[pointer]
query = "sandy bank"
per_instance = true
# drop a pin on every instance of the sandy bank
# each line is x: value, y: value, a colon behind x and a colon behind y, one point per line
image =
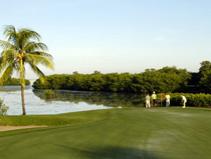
x: 8, y: 128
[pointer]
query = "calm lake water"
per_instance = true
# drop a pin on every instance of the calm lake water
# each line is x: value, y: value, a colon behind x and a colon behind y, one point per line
x: 65, y: 101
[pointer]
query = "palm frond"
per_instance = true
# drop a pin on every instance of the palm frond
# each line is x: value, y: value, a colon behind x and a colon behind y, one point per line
x: 7, y: 58
x: 10, y: 33
x: 2, y: 64
x: 6, y: 45
x: 28, y: 33
x: 35, y: 46
x: 9, y: 55
x: 41, y: 53
x: 36, y: 70
x: 7, y: 73
x: 39, y: 59
x: 25, y: 35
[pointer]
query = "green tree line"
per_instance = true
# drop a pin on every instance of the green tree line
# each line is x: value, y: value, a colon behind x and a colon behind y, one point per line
x: 167, y: 79
x: 14, y: 82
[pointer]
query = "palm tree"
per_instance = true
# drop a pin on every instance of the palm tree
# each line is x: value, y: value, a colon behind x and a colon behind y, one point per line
x: 22, y: 47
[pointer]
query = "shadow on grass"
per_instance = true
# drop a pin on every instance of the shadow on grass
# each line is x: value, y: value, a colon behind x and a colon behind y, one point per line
x: 112, y: 153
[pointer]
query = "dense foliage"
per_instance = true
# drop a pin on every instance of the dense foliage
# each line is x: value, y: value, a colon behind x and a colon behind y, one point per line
x: 14, y: 82
x: 205, y: 76
x: 195, y: 100
x: 167, y: 79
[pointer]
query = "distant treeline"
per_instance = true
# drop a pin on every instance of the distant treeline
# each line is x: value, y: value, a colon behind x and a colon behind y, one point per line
x: 14, y: 82
x: 167, y: 79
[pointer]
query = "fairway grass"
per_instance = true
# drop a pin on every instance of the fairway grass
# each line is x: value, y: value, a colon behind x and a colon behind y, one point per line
x: 128, y: 133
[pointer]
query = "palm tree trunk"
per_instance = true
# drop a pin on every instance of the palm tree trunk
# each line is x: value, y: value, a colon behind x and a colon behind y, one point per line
x: 22, y: 83
x: 23, y: 100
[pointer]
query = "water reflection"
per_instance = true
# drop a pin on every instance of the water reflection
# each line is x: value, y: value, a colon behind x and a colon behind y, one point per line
x: 65, y: 101
x: 97, y: 98
x: 12, y: 88
x: 35, y: 105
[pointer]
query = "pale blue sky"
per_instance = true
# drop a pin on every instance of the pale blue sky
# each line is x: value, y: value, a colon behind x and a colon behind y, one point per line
x: 116, y: 35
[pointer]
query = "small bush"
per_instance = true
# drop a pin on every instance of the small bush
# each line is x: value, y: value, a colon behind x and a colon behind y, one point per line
x: 3, y: 108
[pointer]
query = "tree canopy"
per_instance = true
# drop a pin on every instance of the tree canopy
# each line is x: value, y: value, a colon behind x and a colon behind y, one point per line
x: 167, y: 79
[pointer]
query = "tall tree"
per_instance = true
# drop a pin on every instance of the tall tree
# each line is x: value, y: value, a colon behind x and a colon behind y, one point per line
x: 205, y: 76
x: 21, y: 47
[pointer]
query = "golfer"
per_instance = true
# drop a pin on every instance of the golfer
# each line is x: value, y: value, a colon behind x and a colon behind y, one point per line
x: 154, y: 98
x: 168, y: 98
x: 184, y: 101
x: 147, y: 101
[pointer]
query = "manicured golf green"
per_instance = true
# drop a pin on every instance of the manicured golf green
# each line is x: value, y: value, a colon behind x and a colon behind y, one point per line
x: 129, y: 133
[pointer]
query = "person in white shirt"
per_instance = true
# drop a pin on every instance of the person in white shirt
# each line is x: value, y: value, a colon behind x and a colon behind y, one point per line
x: 168, y: 98
x: 154, y: 98
x: 147, y: 101
x: 184, y: 101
